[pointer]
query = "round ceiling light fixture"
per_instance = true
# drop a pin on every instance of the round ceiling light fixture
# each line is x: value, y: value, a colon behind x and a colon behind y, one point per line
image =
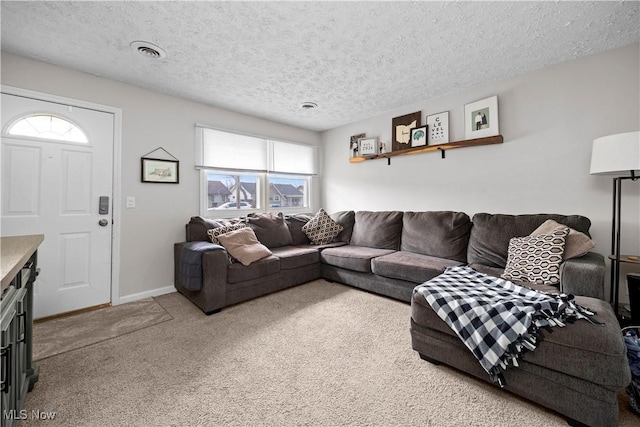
x: 308, y: 105
x: 148, y: 50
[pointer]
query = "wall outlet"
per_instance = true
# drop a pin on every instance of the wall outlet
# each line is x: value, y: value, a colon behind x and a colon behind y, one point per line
x: 131, y: 202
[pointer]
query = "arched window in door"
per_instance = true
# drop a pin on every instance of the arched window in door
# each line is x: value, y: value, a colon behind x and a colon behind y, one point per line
x: 47, y: 126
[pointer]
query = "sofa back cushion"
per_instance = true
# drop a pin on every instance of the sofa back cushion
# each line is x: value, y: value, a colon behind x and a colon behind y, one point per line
x: 380, y: 230
x: 196, y: 229
x: 441, y: 234
x: 346, y: 219
x: 270, y: 229
x: 490, y: 234
x: 295, y: 223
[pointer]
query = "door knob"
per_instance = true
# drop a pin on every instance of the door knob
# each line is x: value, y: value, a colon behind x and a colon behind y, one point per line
x: 103, y: 223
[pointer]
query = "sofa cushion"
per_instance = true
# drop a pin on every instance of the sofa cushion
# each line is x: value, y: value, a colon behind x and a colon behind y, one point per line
x: 295, y: 223
x: 350, y: 257
x: 438, y: 234
x: 536, y: 259
x: 380, y: 230
x: 270, y: 228
x: 410, y: 266
x: 590, y: 352
x: 490, y: 234
x: 346, y: 219
x: 243, y: 245
x: 237, y: 272
x: 321, y: 229
x: 577, y: 243
x: 197, y: 228
x: 293, y: 257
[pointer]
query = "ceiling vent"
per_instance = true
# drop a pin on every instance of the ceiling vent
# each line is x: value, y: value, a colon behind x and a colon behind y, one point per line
x: 308, y: 105
x: 148, y: 50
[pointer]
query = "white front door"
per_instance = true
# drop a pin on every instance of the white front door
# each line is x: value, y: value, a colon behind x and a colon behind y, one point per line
x: 57, y: 180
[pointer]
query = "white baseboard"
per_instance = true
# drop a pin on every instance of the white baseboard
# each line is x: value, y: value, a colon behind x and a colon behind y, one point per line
x: 146, y: 294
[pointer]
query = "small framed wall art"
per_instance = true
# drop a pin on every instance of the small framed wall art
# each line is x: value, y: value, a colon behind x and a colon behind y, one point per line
x: 438, y: 128
x: 401, y: 130
x: 368, y: 146
x: 419, y: 136
x: 160, y: 171
x: 354, y: 146
x: 481, y: 118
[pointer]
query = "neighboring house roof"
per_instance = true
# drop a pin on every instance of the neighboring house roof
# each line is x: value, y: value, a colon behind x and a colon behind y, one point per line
x: 287, y: 190
x: 247, y: 190
x: 216, y: 187
x: 249, y: 187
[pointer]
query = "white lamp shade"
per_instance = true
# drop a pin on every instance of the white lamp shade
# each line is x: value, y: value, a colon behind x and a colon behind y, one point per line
x: 616, y: 154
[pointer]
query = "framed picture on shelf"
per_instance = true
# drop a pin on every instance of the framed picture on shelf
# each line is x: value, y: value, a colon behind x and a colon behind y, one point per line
x: 438, y: 128
x: 160, y: 171
x: 401, y: 130
x: 419, y: 136
x: 354, y: 148
x: 368, y: 146
x: 382, y: 147
x: 481, y: 118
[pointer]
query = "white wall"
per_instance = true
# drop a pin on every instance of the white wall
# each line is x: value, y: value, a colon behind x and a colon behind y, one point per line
x: 549, y: 119
x: 150, y: 120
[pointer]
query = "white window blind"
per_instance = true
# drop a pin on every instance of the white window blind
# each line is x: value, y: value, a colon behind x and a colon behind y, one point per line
x: 218, y: 149
x: 293, y: 158
x: 226, y: 150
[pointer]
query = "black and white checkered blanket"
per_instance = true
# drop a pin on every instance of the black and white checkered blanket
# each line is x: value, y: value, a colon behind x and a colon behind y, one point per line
x: 496, y: 319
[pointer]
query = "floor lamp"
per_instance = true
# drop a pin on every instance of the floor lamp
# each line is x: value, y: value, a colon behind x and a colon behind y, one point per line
x: 617, y: 155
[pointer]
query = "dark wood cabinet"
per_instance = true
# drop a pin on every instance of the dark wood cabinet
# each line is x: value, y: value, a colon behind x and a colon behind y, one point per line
x: 18, y: 373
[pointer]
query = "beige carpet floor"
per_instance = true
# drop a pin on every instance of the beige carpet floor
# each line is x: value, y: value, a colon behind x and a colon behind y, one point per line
x: 319, y: 354
x: 64, y: 334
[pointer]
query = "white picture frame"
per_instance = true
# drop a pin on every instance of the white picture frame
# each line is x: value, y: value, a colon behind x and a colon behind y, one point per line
x: 438, y: 128
x: 368, y: 146
x: 481, y: 118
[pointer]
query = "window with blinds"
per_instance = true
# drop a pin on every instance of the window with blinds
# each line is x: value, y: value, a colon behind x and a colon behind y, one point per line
x: 250, y: 173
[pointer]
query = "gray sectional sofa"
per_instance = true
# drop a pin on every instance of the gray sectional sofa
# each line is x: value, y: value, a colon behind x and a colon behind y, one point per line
x: 578, y: 372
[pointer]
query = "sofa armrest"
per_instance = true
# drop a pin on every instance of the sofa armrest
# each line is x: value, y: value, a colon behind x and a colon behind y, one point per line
x: 583, y: 276
x: 211, y: 267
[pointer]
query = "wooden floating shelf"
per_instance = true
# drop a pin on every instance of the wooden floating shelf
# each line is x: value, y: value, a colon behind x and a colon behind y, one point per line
x: 427, y: 148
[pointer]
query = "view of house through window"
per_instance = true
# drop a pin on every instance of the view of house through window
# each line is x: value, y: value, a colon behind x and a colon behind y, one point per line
x: 229, y: 191
x: 233, y: 191
x: 287, y: 192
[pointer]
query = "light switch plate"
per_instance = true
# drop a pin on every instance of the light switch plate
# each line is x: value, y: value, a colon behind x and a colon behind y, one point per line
x: 131, y: 202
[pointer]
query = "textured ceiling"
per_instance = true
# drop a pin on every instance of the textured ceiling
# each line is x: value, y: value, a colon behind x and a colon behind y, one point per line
x: 354, y: 59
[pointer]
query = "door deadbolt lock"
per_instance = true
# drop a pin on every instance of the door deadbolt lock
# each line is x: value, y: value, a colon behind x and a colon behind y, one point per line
x: 103, y: 223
